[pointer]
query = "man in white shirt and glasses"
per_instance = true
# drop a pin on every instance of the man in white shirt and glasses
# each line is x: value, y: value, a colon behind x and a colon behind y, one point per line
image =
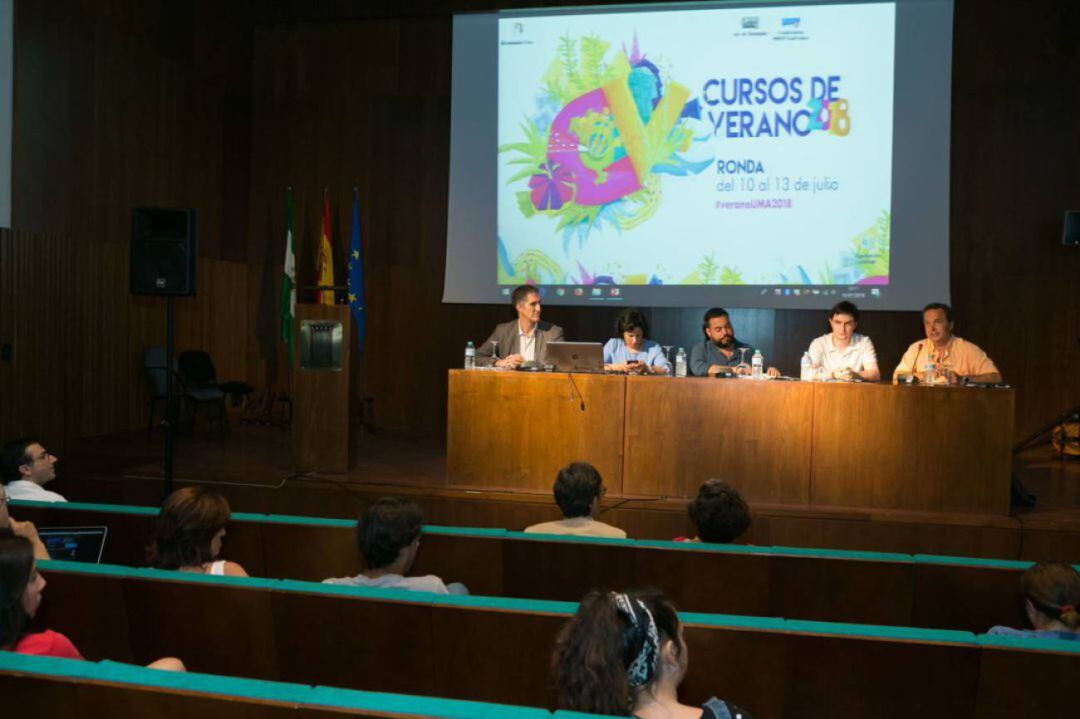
x: 844, y: 354
x: 27, y: 467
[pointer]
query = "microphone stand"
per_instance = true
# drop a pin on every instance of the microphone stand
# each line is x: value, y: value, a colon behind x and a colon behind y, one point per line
x: 169, y: 406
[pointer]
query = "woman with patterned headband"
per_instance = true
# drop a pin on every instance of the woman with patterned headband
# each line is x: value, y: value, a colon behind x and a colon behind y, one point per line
x: 623, y: 654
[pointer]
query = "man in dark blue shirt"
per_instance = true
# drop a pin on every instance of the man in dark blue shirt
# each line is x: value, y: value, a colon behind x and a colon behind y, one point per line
x: 719, y: 352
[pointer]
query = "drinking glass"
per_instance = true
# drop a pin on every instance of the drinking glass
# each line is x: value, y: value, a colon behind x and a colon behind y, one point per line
x: 742, y: 368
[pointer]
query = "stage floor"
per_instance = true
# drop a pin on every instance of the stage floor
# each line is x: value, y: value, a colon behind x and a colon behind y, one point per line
x: 252, y: 466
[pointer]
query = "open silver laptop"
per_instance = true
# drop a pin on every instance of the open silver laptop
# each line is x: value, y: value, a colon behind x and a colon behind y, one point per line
x: 576, y: 356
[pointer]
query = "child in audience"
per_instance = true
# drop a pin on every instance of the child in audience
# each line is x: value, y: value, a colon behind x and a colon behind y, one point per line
x: 388, y: 534
x: 719, y: 513
x: 1051, y: 592
x: 21, y: 587
x: 624, y: 654
x: 578, y: 489
x: 189, y: 532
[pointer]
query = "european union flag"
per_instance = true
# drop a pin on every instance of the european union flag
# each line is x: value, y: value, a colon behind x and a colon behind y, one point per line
x: 356, y: 273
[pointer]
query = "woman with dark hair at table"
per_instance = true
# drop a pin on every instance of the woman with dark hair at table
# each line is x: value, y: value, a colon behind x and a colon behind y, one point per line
x: 1051, y: 592
x: 630, y: 350
x: 623, y: 654
x: 189, y: 533
x: 21, y: 588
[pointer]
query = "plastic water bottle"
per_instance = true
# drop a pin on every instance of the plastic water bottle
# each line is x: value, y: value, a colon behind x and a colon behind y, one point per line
x: 806, y: 368
x: 929, y: 372
x: 680, y: 363
x: 470, y: 355
x: 757, y: 363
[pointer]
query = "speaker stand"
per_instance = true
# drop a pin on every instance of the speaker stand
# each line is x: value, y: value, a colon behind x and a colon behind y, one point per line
x: 170, y: 408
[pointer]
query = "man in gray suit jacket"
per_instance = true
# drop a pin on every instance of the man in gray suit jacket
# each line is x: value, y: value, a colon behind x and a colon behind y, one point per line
x: 522, y: 340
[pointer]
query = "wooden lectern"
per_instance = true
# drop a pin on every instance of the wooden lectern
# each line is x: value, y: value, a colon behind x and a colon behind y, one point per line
x: 323, y: 396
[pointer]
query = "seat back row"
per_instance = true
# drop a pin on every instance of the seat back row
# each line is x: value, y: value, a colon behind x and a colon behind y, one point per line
x: 878, y: 587
x: 498, y: 650
x: 123, y: 691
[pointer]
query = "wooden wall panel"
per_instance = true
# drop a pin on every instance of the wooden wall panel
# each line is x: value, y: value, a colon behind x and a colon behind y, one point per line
x: 78, y: 335
x: 119, y: 104
x: 128, y: 103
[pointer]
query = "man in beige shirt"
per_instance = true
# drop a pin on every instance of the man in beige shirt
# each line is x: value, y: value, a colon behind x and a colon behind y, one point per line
x: 953, y: 358
x: 578, y: 489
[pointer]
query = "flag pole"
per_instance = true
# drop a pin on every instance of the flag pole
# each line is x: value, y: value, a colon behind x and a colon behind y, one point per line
x: 359, y: 364
x: 290, y: 222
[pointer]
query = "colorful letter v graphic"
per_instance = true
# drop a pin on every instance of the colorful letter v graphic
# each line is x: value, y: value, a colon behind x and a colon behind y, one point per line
x: 641, y: 140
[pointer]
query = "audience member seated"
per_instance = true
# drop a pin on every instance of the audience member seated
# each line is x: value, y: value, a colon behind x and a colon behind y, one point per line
x: 189, y: 533
x: 9, y: 525
x: 389, y: 536
x: 578, y: 489
x: 623, y: 655
x: 27, y: 468
x: 21, y: 587
x: 1051, y: 592
x: 719, y: 513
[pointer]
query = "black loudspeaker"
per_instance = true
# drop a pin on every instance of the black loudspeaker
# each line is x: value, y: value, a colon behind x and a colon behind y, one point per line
x: 1071, y: 235
x: 163, y: 251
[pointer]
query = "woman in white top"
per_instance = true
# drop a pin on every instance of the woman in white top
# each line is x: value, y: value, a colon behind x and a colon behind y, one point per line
x: 189, y: 532
x: 843, y: 354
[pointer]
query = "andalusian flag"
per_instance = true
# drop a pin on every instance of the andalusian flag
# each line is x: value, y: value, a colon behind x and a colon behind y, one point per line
x: 356, y: 273
x: 326, y: 258
x: 288, y: 282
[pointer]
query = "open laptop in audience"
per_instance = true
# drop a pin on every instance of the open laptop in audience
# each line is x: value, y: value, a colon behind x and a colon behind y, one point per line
x: 74, y: 544
x: 576, y: 356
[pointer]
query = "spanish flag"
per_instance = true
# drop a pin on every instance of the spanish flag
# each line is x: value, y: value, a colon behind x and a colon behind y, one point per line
x: 326, y: 258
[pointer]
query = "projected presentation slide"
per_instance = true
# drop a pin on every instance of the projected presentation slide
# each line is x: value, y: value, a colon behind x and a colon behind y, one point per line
x: 702, y: 147
x: 697, y: 155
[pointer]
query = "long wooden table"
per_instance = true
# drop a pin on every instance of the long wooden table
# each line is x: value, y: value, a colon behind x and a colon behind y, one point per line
x: 879, y: 446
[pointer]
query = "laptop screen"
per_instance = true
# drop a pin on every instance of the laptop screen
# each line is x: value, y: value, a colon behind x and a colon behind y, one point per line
x: 576, y: 356
x: 74, y: 544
